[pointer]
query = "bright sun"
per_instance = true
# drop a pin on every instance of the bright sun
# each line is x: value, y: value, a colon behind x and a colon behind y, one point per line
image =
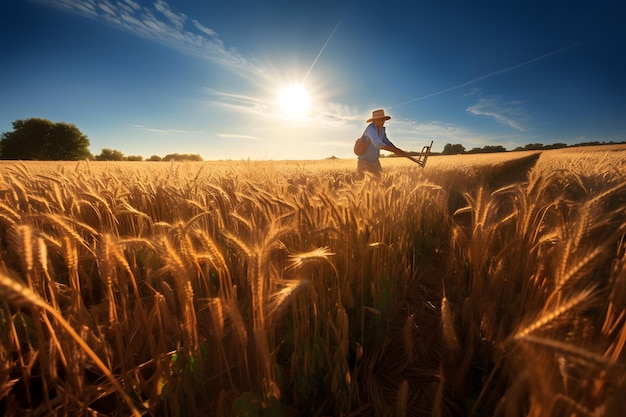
x: 294, y: 101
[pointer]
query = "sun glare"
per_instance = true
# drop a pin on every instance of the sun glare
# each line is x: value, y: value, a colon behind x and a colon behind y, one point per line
x: 294, y: 101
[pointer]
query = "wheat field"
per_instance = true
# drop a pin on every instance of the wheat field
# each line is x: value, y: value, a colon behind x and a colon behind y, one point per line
x: 480, y: 285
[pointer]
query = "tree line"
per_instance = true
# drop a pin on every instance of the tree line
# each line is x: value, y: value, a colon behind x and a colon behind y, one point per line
x: 450, y: 149
x: 43, y: 140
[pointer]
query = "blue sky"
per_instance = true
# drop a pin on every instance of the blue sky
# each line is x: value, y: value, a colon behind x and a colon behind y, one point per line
x: 153, y: 77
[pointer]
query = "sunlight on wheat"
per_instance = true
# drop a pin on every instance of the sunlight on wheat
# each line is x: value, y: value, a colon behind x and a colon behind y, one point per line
x: 301, y: 288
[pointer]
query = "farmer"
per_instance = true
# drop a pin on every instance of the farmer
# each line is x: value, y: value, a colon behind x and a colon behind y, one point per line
x: 373, y: 140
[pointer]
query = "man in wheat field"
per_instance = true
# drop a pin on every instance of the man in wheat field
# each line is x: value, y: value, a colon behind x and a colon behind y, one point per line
x: 374, y: 139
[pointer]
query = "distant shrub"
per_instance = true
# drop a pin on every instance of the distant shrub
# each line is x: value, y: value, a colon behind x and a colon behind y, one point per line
x: 182, y: 157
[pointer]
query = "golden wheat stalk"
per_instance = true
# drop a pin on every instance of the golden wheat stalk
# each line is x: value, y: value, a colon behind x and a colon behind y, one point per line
x: 402, y: 401
x: 278, y: 300
x: 551, y: 316
x: 575, y: 407
x: 13, y: 292
x: 568, y: 349
x: 299, y: 259
x: 21, y: 238
x: 448, y: 335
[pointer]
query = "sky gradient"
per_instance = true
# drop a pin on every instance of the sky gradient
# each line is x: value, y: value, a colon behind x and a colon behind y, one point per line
x: 158, y: 77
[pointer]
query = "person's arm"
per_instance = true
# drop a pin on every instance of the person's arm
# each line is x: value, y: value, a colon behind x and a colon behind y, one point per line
x: 393, y: 148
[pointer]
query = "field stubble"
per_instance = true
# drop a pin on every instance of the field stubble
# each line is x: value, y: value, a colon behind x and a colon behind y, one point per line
x: 484, y: 285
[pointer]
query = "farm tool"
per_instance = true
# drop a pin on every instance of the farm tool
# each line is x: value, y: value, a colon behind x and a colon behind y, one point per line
x: 423, y: 156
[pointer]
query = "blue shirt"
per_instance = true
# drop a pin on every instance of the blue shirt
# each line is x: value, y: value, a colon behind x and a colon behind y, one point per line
x: 377, y: 141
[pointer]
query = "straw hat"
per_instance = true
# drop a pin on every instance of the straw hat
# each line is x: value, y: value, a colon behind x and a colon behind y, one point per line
x: 378, y: 114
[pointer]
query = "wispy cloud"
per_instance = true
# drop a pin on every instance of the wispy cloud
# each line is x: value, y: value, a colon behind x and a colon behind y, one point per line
x: 167, y: 131
x: 240, y: 103
x: 236, y: 136
x: 412, y: 135
x: 176, y: 19
x: 204, y: 29
x: 160, y: 23
x: 508, y: 114
x: 491, y: 74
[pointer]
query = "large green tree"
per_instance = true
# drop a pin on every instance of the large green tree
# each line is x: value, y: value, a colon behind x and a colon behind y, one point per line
x: 41, y: 139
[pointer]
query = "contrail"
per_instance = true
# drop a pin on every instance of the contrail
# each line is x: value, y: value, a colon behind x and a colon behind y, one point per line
x: 491, y: 74
x: 320, y: 53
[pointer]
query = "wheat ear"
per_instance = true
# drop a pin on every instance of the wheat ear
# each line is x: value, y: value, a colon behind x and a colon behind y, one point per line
x: 16, y: 293
x: 548, y: 317
x: 568, y: 349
